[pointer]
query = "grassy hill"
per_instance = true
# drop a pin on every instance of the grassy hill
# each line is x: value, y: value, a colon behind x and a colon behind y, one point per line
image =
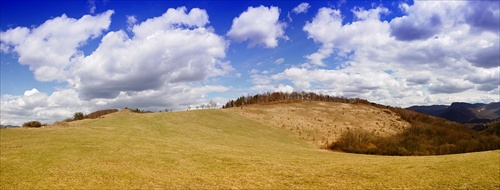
x: 324, y: 122
x: 210, y: 149
x: 369, y: 128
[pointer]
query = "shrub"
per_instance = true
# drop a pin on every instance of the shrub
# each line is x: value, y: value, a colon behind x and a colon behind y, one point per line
x: 78, y: 116
x: 357, y: 141
x: 32, y: 124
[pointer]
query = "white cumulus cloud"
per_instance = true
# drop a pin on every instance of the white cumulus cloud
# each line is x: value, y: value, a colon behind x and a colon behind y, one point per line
x: 91, y: 6
x: 258, y: 25
x: 301, y: 8
x: 51, y: 48
x: 453, y: 55
x: 150, y: 62
x: 165, y: 63
x: 279, y: 61
x: 131, y: 20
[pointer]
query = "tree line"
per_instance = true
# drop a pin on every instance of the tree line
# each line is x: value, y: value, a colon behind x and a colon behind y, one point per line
x: 278, y: 97
x: 209, y: 105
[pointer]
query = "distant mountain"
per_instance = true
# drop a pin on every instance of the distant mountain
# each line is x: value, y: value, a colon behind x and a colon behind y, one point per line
x: 8, y: 126
x: 434, y: 110
x: 463, y: 112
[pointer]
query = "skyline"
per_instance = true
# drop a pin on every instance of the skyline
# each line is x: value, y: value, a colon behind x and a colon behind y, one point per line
x: 83, y: 56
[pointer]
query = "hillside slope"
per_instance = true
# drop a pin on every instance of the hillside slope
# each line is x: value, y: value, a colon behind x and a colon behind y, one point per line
x: 213, y: 149
x: 324, y: 122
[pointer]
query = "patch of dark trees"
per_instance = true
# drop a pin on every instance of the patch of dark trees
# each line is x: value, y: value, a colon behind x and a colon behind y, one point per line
x: 33, y: 124
x: 284, y: 97
x: 427, y: 135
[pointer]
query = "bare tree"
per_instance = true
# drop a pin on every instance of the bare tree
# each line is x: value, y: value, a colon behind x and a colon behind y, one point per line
x: 212, y: 104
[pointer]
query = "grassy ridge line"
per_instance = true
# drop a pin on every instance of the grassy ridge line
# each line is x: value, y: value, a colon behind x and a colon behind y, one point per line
x: 213, y: 149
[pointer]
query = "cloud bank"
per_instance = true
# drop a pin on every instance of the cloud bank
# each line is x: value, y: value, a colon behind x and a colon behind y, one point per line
x: 165, y: 63
x: 427, y: 56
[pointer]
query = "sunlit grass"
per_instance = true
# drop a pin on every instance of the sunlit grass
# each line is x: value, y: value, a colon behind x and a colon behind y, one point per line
x: 214, y: 149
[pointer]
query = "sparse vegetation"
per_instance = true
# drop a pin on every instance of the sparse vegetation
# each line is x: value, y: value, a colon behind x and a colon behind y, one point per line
x: 137, y: 110
x: 209, y: 105
x: 97, y: 114
x: 100, y: 113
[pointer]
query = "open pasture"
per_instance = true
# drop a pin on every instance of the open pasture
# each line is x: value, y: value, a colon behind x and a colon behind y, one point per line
x: 210, y: 149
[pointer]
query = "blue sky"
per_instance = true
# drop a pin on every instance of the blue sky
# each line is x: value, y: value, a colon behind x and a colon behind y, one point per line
x: 69, y: 56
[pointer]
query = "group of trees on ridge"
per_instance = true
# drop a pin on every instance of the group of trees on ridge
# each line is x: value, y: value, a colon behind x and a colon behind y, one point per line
x: 209, y: 105
x: 278, y: 97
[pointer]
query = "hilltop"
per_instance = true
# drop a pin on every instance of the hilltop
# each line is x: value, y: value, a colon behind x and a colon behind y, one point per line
x: 359, y: 126
x: 323, y: 122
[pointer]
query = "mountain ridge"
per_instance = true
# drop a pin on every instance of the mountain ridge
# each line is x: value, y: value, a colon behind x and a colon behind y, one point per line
x: 463, y: 112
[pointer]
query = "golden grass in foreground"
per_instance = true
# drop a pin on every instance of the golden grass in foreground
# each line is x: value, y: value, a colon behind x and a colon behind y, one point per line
x: 214, y: 149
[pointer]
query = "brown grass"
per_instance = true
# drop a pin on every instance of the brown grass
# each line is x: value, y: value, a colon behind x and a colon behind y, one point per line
x: 323, y: 122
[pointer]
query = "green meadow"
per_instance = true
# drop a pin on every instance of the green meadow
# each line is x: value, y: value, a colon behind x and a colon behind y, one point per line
x: 214, y: 149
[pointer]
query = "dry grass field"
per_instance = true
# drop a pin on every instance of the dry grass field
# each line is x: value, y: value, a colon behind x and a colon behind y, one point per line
x: 319, y: 122
x: 215, y: 149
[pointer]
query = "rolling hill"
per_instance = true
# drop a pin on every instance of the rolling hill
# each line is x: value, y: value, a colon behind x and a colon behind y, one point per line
x: 323, y: 122
x: 463, y: 112
x: 216, y: 149
x: 370, y: 128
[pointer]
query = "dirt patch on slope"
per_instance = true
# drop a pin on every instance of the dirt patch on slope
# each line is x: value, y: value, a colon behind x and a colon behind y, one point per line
x: 323, y: 122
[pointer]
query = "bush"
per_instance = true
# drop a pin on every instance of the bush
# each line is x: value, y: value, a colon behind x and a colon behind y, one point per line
x: 78, y: 116
x: 32, y: 124
x: 357, y: 141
